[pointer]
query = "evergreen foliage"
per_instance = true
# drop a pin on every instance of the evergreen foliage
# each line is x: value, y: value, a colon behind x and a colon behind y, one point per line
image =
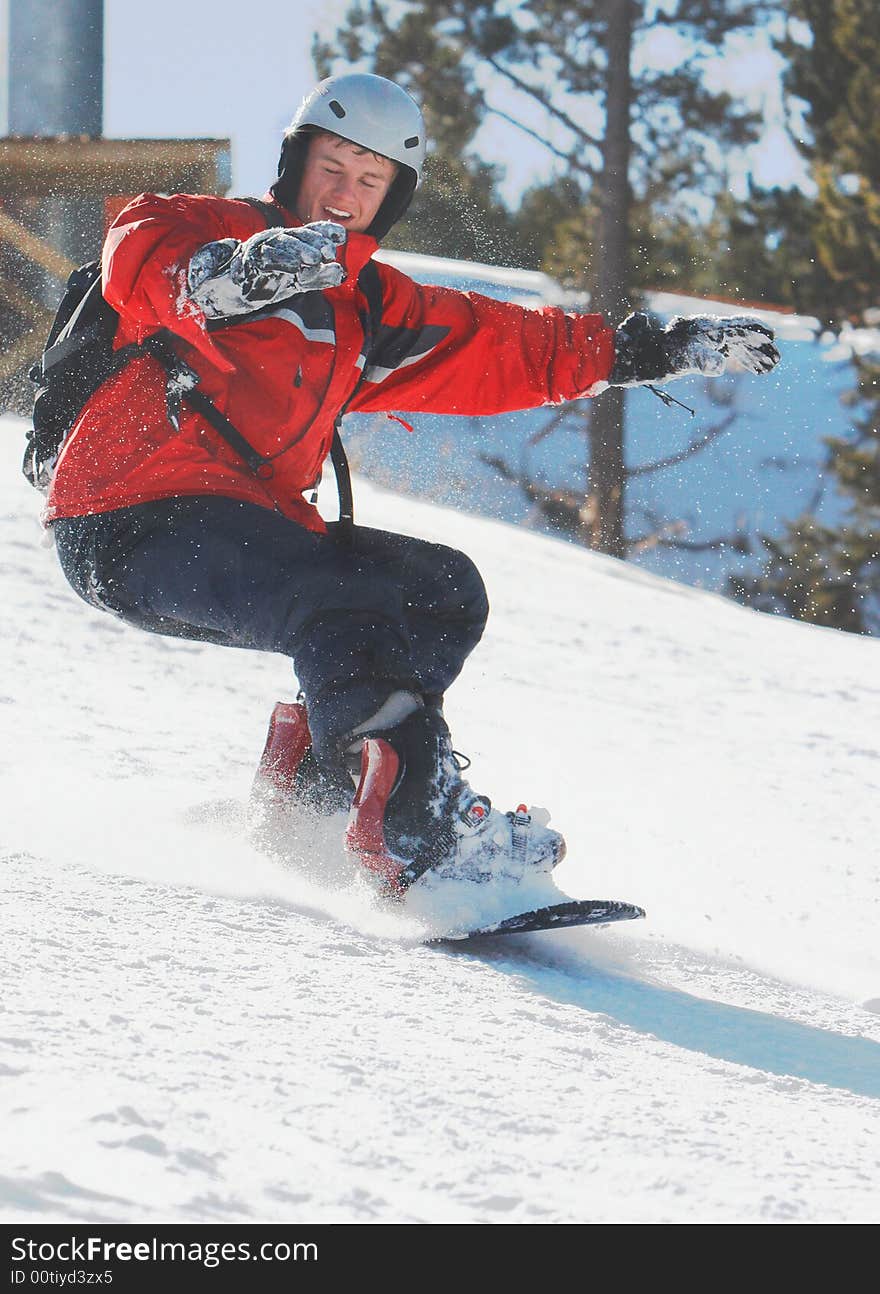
x: 834, y: 68
x: 758, y: 250
x: 829, y: 574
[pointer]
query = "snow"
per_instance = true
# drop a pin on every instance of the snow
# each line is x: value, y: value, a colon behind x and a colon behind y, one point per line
x: 192, y: 1031
x: 505, y: 283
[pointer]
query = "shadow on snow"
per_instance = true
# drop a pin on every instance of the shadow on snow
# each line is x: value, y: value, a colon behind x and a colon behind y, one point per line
x: 736, y: 1034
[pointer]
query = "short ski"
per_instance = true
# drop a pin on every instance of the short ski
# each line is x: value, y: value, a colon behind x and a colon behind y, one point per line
x: 577, y: 912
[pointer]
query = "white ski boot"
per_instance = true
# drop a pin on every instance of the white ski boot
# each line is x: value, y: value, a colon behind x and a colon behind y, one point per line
x: 413, y: 814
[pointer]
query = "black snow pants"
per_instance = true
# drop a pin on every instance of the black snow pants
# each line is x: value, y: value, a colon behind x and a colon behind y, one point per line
x: 359, y: 621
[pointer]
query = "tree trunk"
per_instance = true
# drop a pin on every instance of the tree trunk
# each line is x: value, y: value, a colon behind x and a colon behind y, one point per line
x: 607, y: 477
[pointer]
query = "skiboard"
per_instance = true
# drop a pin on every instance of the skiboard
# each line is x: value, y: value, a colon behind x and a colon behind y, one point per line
x: 576, y: 912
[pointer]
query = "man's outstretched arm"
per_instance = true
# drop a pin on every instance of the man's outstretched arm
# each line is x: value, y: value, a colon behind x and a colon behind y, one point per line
x: 444, y: 351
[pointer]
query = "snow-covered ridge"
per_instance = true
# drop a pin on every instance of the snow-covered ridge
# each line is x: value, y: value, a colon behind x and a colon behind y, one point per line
x: 525, y: 287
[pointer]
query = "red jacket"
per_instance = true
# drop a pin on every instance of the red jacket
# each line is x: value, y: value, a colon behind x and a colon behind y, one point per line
x: 281, y: 376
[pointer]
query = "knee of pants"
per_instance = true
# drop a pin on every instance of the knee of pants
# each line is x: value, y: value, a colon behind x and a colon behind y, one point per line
x: 479, y: 600
x: 348, y: 664
x: 465, y: 590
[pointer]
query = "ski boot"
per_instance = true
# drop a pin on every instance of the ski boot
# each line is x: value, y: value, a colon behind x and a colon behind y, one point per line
x: 413, y: 813
x: 289, y: 784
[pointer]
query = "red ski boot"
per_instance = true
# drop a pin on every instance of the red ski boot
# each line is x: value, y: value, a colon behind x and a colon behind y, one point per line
x: 289, y: 776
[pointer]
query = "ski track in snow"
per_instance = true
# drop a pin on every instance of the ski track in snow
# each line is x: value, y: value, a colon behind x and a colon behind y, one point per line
x: 191, y: 1031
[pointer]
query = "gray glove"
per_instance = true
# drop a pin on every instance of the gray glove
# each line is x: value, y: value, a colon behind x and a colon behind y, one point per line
x: 646, y: 351
x: 232, y: 278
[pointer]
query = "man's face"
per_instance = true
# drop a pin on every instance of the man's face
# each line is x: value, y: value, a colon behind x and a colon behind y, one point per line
x: 343, y: 182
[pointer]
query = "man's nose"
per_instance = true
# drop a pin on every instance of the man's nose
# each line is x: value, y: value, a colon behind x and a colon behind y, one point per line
x: 343, y: 191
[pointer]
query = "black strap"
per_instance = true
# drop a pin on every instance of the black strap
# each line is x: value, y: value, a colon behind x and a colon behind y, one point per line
x: 268, y: 210
x: 159, y: 346
x: 339, y: 460
x: 371, y: 286
x: 259, y: 465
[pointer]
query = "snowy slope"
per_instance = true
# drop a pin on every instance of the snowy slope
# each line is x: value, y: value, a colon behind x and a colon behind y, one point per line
x: 190, y: 1031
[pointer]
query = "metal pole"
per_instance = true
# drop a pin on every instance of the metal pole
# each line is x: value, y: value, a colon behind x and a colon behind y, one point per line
x: 4, y: 67
x: 56, y: 87
x: 56, y: 67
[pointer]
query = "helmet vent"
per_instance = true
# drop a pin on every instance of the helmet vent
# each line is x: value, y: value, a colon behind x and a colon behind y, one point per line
x: 412, y: 142
x: 336, y: 108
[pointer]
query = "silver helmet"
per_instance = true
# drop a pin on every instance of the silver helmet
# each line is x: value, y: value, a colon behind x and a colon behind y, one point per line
x: 367, y: 110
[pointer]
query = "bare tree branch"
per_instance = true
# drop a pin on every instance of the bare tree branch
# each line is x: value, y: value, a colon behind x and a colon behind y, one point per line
x: 693, y: 448
x: 574, y: 162
x: 738, y: 543
x: 817, y: 497
x: 549, y: 427
x: 546, y: 103
x: 566, y: 510
x: 670, y: 534
x: 570, y: 513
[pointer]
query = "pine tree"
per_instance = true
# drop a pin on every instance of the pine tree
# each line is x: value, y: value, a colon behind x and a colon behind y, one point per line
x: 830, y: 574
x: 834, y: 69
x: 765, y: 251
x: 556, y: 68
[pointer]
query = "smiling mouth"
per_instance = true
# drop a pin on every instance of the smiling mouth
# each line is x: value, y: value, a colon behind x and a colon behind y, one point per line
x: 339, y: 214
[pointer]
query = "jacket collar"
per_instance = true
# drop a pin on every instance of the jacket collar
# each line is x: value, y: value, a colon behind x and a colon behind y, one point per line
x: 357, y: 251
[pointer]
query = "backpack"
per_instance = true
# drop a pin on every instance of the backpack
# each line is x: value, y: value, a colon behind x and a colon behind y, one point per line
x: 78, y: 358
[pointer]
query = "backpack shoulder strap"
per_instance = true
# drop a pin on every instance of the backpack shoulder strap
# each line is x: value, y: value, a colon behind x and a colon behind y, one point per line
x: 268, y: 210
x: 371, y: 286
x: 161, y: 347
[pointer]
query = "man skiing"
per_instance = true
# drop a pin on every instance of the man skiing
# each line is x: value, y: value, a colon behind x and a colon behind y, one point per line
x: 163, y: 522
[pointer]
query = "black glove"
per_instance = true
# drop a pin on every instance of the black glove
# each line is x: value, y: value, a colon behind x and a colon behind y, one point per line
x: 231, y: 278
x: 648, y: 351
